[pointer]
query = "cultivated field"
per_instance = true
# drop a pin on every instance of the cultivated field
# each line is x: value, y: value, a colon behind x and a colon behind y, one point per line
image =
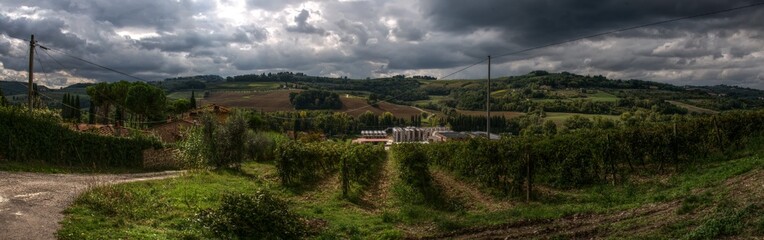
x: 559, y: 118
x: 273, y: 101
x: 692, y: 108
x: 506, y: 114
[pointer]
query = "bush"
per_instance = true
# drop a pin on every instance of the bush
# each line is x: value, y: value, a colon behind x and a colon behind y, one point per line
x: 258, y: 216
x: 261, y: 146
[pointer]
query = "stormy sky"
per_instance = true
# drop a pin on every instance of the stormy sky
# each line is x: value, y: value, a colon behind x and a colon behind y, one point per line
x: 157, y: 39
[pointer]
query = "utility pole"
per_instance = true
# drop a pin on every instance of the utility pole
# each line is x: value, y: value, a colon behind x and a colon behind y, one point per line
x: 488, y: 103
x: 31, y: 71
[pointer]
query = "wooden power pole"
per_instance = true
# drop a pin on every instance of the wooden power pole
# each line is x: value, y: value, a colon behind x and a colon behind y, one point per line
x: 31, y: 72
x: 488, y: 103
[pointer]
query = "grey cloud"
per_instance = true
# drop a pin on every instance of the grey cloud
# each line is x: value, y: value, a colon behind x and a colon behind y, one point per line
x: 271, y: 5
x: 302, y: 25
x: 49, y: 30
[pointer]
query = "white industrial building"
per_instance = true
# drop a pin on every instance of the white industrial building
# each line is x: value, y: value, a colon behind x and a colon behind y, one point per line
x: 415, y: 134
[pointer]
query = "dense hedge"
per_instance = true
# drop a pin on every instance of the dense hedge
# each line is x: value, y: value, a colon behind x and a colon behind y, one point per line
x: 30, y: 137
x: 591, y: 156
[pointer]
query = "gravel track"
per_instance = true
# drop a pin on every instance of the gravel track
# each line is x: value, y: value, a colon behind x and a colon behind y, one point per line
x: 31, y: 204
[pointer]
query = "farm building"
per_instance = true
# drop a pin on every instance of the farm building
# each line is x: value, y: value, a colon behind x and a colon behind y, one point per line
x: 171, y: 131
x: 482, y: 134
x: 415, y: 134
x: 219, y: 111
x: 446, y: 136
x: 373, y: 134
x: 101, y: 129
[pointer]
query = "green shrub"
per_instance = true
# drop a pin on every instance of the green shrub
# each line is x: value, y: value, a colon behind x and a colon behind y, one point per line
x: 258, y: 216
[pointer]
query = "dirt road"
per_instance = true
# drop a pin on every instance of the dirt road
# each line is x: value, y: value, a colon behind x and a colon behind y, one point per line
x: 31, y: 204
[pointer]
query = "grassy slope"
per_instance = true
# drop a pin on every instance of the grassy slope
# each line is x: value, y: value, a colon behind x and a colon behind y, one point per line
x: 165, y: 209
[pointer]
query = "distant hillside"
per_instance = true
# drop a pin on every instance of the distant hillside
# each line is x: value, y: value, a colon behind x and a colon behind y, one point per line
x: 729, y: 91
x: 16, y: 88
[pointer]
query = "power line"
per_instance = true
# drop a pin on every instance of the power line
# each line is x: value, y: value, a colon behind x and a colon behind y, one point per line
x: 94, y: 64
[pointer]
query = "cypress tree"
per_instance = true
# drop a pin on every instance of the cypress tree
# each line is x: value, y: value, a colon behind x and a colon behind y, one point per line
x: 64, y: 108
x: 193, y: 100
x: 3, y: 100
x: 91, y: 113
x: 78, y: 110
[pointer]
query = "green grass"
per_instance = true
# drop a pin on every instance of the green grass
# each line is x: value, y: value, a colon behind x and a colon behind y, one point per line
x: 130, y: 211
x: 569, y: 95
x: 185, y: 94
x: 559, y: 118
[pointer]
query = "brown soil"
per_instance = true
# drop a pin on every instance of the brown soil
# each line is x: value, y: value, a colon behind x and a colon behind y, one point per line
x: 467, y: 193
x: 273, y: 101
x: 377, y: 195
x: 270, y: 101
x: 578, y: 226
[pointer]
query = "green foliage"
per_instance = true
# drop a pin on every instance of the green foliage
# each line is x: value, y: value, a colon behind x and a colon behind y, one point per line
x: 305, y: 162
x: 225, y: 145
x: 261, y: 146
x: 726, y: 221
x: 360, y: 164
x: 146, y: 101
x: 414, y: 174
x: 40, y: 138
x: 180, y: 106
x: 314, y: 99
x: 258, y: 216
x: 3, y: 100
x: 191, y: 150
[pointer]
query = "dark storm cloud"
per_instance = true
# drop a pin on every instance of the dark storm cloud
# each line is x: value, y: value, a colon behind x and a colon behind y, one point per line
x: 164, y: 15
x: 538, y: 21
x: 46, y: 28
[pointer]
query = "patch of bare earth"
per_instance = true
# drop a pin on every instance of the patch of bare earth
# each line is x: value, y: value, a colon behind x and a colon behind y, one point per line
x: 377, y: 194
x: 467, y: 193
x: 574, y: 226
x: 278, y: 100
x: 747, y: 188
